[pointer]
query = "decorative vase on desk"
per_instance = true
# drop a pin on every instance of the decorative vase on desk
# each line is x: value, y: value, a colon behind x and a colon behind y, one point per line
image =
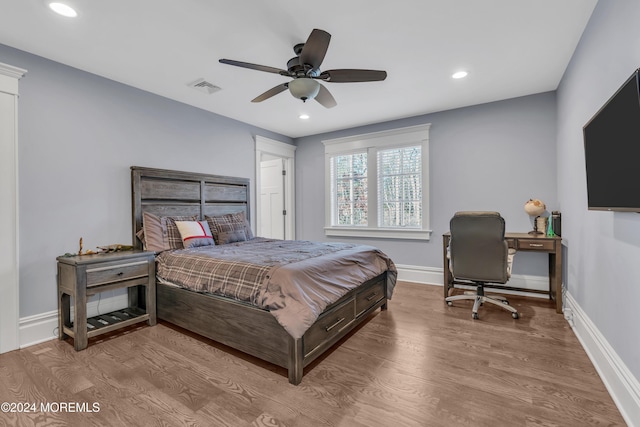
x: 534, y: 208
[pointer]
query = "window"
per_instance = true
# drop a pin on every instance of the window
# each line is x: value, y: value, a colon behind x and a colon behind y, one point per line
x: 377, y: 184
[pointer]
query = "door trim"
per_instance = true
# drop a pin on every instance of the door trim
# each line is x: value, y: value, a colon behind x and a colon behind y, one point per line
x: 287, y: 153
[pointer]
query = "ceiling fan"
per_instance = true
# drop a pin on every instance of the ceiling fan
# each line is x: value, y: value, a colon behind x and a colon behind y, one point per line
x: 304, y: 68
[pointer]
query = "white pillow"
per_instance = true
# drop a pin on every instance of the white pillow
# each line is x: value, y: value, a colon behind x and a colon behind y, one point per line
x: 195, y: 233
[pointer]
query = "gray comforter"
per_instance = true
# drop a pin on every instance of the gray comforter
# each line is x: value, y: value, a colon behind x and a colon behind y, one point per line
x: 294, y: 279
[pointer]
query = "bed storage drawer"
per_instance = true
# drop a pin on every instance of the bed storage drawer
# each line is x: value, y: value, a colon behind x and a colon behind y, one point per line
x: 329, y: 324
x: 368, y: 297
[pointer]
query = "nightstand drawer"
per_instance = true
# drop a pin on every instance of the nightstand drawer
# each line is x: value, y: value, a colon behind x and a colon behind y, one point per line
x: 100, y: 274
x: 536, y: 245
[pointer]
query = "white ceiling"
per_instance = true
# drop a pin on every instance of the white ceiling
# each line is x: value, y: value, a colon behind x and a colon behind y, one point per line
x: 510, y: 48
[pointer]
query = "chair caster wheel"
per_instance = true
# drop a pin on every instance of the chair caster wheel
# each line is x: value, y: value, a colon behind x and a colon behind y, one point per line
x: 505, y: 302
x: 475, y: 316
x: 515, y: 315
x: 450, y: 303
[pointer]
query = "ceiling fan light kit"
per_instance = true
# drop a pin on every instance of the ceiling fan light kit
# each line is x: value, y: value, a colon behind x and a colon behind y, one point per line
x: 304, y: 88
x: 304, y: 69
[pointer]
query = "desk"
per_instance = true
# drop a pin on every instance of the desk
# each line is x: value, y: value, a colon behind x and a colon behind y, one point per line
x: 522, y: 242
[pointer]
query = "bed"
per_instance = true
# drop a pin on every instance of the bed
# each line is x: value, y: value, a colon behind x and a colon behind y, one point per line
x: 257, y: 324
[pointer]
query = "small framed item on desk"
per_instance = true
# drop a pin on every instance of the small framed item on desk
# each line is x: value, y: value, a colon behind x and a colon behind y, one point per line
x: 80, y: 277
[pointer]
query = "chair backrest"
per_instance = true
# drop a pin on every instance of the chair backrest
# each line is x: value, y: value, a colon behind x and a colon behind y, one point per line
x: 478, y: 249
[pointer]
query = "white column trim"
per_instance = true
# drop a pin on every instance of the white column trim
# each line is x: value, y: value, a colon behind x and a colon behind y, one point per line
x: 10, y: 286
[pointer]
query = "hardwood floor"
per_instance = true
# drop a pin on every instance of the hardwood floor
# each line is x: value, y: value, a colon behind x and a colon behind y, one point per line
x: 420, y: 363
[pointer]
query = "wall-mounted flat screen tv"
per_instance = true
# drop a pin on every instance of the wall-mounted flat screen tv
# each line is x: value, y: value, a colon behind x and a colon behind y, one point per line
x: 612, y: 151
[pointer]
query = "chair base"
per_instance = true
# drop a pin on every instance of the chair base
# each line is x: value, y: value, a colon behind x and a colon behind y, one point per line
x: 480, y: 298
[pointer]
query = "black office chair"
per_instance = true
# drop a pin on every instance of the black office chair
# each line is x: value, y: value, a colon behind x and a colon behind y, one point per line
x: 478, y: 254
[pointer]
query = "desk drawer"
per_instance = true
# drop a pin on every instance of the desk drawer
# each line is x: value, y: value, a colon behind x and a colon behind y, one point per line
x: 99, y: 274
x: 328, y: 325
x: 536, y: 245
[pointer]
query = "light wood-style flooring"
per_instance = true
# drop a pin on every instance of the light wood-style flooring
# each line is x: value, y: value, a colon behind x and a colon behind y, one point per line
x: 420, y: 363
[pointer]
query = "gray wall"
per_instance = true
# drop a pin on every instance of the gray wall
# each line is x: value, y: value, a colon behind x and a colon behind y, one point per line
x: 78, y: 136
x: 603, y: 248
x: 487, y: 157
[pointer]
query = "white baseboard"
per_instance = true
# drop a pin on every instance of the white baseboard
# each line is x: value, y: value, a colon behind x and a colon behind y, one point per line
x: 38, y: 328
x: 418, y: 274
x: 622, y: 385
x: 44, y: 327
x: 434, y: 276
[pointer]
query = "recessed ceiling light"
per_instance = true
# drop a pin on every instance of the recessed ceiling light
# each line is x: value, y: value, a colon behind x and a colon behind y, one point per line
x: 63, y: 9
x: 304, y: 116
x: 459, y: 74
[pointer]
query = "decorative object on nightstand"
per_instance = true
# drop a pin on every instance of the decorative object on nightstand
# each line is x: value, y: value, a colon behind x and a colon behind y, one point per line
x: 117, y: 247
x: 80, y: 277
x: 534, y: 208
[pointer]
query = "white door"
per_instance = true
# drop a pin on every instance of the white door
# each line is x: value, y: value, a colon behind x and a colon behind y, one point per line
x: 272, y: 208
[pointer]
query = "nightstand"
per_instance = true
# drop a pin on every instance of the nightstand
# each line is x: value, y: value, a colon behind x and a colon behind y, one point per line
x: 80, y: 277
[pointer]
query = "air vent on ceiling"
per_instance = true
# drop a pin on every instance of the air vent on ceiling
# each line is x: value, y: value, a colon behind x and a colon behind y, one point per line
x: 204, y: 86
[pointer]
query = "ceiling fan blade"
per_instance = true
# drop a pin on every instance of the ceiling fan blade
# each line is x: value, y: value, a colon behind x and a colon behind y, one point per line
x: 352, y: 76
x: 271, y: 92
x: 315, y: 48
x: 255, y: 66
x: 325, y: 98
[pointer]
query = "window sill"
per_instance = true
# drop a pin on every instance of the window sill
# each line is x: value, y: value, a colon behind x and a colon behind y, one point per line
x: 378, y: 233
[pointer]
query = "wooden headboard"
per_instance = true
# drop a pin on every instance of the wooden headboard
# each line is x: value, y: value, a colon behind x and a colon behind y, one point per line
x: 171, y: 193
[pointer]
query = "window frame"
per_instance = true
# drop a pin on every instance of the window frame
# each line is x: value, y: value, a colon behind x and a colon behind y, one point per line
x: 371, y: 143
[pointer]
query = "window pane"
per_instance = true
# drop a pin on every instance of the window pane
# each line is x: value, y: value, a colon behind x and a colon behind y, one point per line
x: 349, y: 177
x: 411, y: 211
x: 359, y: 165
x: 360, y: 215
x: 344, y: 214
x: 343, y: 190
x: 390, y: 188
x: 360, y: 189
x: 411, y: 189
x: 400, y: 187
x: 391, y: 163
x: 390, y: 214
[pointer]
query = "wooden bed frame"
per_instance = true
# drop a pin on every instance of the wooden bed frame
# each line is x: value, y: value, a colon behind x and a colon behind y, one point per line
x: 238, y: 325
